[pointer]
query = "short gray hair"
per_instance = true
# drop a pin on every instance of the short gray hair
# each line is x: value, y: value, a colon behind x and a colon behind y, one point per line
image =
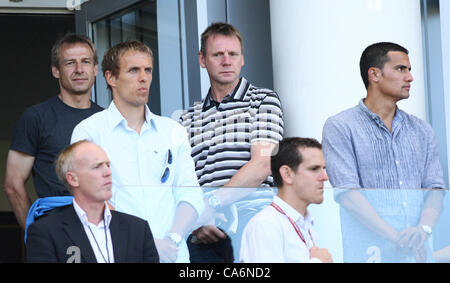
x: 64, y: 162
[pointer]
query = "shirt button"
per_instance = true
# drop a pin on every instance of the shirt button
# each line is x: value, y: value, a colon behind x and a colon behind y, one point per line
x: 396, y: 162
x: 405, y: 204
x: 401, y: 183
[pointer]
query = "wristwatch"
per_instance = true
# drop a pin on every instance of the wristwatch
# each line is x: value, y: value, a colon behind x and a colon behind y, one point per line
x: 214, y: 202
x: 427, y: 230
x: 175, y: 238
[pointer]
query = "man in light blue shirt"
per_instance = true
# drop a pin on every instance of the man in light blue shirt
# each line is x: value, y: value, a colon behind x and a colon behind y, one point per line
x: 377, y: 145
x: 153, y: 172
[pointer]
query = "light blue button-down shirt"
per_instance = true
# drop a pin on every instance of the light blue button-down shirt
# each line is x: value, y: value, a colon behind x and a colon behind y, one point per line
x: 138, y: 162
x: 360, y: 152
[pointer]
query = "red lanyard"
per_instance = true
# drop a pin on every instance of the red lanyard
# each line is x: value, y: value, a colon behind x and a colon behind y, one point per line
x: 297, y: 229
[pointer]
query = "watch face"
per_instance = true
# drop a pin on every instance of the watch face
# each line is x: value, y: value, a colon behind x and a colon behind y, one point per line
x: 214, y: 202
x: 427, y: 229
x: 175, y: 237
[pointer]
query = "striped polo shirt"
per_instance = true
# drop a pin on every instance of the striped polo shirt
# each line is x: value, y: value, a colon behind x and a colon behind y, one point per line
x: 221, y: 133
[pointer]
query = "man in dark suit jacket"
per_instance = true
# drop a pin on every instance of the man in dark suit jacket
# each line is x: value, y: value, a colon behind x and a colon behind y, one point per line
x: 87, y: 230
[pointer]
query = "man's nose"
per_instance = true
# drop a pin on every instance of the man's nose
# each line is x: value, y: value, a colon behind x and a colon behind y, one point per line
x: 226, y: 59
x: 144, y: 76
x: 78, y: 67
x: 409, y: 77
x: 107, y: 172
x: 324, y: 176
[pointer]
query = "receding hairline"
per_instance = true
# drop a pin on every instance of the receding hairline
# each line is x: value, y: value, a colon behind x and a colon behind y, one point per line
x: 71, y: 39
x: 221, y: 28
x: 65, y: 162
x: 73, y: 44
x: 130, y: 51
x: 213, y: 36
x: 83, y: 145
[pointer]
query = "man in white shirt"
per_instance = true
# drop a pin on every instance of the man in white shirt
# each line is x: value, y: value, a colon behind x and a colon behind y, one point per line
x: 87, y: 231
x: 282, y: 232
x: 153, y: 171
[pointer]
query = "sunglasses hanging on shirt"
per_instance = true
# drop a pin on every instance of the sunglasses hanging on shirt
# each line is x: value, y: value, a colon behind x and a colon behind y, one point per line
x: 166, y: 173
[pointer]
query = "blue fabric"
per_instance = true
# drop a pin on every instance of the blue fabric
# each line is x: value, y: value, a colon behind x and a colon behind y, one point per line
x: 360, y: 152
x: 44, y: 205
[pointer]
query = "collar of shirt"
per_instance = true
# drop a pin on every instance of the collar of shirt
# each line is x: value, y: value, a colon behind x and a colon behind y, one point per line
x: 296, y: 216
x: 84, y: 219
x: 398, y: 117
x: 115, y: 118
x: 237, y: 95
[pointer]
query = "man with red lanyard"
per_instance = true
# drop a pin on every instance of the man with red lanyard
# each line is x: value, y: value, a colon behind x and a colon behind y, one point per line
x: 282, y: 232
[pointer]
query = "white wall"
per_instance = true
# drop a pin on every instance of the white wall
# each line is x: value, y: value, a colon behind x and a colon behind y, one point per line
x: 316, y: 48
x: 445, y: 42
x: 443, y: 230
x: 317, y: 45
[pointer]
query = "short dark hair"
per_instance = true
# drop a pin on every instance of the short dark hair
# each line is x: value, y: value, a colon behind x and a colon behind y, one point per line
x: 376, y: 55
x: 290, y: 155
x: 71, y: 38
x: 222, y: 29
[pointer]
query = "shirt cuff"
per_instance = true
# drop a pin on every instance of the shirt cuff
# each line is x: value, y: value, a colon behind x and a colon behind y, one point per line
x: 194, y: 198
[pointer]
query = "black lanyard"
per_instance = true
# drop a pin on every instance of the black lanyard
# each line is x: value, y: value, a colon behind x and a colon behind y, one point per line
x: 106, y: 240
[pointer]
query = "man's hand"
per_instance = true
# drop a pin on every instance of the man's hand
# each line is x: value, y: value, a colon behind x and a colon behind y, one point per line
x: 167, y: 250
x: 412, y: 237
x: 320, y: 253
x: 420, y: 254
x: 209, y: 234
x: 209, y: 216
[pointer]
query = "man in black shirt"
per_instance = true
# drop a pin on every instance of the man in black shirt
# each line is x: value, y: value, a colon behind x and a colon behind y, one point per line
x: 45, y: 129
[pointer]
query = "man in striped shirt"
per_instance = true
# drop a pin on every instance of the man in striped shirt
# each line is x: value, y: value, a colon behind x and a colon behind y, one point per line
x: 377, y: 145
x: 232, y: 133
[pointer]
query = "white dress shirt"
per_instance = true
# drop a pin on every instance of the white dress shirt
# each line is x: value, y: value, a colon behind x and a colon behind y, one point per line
x: 138, y: 162
x: 270, y: 237
x: 101, y: 242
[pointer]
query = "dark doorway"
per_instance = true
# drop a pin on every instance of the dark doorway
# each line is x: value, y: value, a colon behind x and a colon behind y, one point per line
x: 25, y: 74
x: 25, y: 79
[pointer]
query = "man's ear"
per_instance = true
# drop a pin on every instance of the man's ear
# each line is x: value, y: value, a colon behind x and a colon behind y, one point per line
x: 201, y: 59
x: 374, y: 74
x: 110, y: 79
x: 55, y: 72
x: 72, y: 179
x: 96, y: 70
x: 286, y: 174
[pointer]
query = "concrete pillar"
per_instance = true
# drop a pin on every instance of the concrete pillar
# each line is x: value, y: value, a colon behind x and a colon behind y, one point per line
x: 317, y: 45
x: 445, y: 41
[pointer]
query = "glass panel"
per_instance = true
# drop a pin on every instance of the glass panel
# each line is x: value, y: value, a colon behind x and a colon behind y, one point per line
x: 351, y: 233
x: 136, y: 23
